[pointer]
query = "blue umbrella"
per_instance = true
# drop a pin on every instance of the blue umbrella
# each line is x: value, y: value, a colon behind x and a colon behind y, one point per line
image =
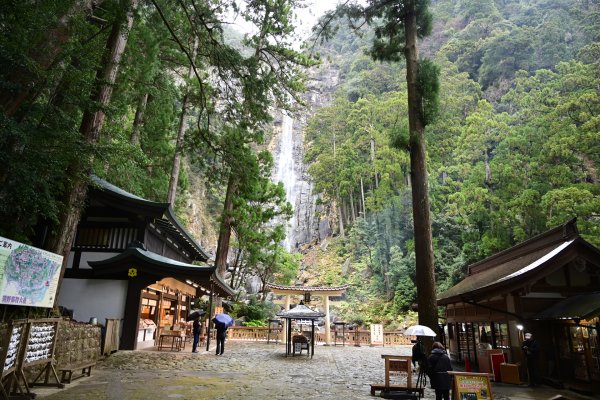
x: 224, y: 319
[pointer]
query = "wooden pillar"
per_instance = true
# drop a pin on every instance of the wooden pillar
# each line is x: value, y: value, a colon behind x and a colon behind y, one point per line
x: 327, y: 322
x: 312, y: 338
x: 282, y: 335
x: 288, y: 341
x: 132, y: 312
x: 210, y: 317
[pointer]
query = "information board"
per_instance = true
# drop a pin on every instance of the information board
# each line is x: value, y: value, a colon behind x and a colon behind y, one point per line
x: 471, y: 386
x: 28, y: 275
x: 376, y: 334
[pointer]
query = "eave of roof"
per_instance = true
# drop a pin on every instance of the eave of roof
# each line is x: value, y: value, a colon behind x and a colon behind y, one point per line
x: 556, y: 235
x: 504, y: 274
x: 331, y: 291
x: 583, y: 306
x: 159, y: 266
x: 301, y: 312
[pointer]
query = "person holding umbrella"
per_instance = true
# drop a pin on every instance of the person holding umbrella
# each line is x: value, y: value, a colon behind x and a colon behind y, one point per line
x: 195, y: 316
x: 196, y: 330
x: 222, y: 321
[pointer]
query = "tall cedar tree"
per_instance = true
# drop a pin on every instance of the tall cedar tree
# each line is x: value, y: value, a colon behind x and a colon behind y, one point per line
x: 91, y: 125
x: 398, y: 25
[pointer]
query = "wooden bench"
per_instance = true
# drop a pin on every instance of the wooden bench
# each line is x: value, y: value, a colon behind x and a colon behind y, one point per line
x: 67, y: 372
x: 378, y: 387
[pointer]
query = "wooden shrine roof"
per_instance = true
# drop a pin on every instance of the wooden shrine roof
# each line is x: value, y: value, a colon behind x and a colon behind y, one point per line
x: 162, y: 213
x: 151, y: 264
x: 300, y: 312
x: 325, y: 290
x: 521, y: 265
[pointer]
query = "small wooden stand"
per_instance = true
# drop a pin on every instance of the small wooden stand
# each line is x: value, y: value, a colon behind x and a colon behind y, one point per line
x: 397, y: 365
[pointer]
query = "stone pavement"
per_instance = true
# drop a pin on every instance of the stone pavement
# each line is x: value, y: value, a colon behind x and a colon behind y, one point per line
x: 249, y: 370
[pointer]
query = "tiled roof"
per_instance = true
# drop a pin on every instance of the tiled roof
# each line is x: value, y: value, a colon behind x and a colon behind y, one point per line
x: 503, y: 273
x: 301, y: 312
x: 162, y: 212
x: 521, y: 265
x: 160, y: 267
x: 309, y: 288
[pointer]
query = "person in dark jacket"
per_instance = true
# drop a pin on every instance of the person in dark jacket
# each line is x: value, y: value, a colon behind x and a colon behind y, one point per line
x: 438, y: 365
x: 221, y: 334
x: 531, y: 349
x: 196, y: 330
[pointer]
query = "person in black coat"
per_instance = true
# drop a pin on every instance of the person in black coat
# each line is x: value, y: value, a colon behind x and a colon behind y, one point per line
x: 196, y: 330
x: 531, y: 349
x: 438, y: 365
x: 221, y: 334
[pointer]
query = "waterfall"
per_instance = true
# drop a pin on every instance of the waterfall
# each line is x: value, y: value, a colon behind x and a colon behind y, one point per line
x: 285, y: 172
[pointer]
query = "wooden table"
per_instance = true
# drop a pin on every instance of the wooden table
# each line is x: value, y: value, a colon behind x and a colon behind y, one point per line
x: 177, y: 340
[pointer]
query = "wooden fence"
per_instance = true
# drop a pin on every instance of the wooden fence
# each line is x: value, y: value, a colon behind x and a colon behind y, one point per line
x: 363, y: 337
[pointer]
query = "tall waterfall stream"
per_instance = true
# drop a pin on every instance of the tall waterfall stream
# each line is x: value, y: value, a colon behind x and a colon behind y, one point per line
x: 285, y: 172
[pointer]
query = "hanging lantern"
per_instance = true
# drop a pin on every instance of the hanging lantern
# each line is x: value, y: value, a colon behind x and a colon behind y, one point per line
x: 306, y: 297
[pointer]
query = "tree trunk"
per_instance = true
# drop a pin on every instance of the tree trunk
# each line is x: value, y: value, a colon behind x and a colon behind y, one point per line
x: 340, y: 216
x: 362, y: 197
x: 173, y: 181
x: 91, y: 125
x: 425, y: 276
x: 352, y: 206
x: 373, y: 162
x: 225, y: 230
x: 385, y: 256
x: 138, y: 122
x: 236, y: 266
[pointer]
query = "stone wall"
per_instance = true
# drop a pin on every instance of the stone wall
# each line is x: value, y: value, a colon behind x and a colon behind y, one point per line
x: 77, y: 342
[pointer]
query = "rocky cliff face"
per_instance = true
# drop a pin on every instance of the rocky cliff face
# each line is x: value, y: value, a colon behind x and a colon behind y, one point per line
x: 310, y: 222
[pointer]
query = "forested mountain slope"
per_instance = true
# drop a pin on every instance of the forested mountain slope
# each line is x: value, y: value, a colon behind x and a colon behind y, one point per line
x: 514, y: 150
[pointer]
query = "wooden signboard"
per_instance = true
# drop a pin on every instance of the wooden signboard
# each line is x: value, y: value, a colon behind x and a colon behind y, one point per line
x: 376, y: 334
x: 471, y: 386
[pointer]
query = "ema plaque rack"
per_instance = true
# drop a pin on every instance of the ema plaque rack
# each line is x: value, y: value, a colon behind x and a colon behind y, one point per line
x: 10, y: 357
x: 41, y: 343
x: 29, y: 343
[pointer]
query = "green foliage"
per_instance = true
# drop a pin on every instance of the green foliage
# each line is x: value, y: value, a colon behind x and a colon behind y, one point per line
x: 429, y: 86
x: 513, y: 151
x: 255, y: 310
x: 255, y: 323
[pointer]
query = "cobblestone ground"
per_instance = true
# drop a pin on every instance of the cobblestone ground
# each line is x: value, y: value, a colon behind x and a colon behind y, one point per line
x: 245, y: 371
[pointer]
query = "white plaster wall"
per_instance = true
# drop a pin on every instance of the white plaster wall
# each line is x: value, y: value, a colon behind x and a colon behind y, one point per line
x: 92, y: 256
x: 97, y: 298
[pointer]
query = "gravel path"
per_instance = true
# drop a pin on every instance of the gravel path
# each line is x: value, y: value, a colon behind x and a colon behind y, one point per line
x: 247, y: 370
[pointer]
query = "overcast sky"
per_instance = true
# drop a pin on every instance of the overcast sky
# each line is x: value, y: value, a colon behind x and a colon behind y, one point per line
x: 307, y: 17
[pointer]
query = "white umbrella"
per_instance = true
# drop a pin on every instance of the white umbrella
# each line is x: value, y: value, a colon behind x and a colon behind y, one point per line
x: 419, y: 330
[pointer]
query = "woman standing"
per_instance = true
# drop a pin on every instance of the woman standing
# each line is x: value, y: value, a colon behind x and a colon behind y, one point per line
x: 438, y: 365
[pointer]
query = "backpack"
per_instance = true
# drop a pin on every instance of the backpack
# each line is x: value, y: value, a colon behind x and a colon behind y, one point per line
x: 418, y: 353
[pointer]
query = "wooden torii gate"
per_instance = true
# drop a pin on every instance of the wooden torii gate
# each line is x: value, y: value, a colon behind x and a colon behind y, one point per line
x: 307, y: 291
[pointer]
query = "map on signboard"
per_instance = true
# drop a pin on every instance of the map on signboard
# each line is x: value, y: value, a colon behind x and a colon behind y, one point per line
x: 28, y: 275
